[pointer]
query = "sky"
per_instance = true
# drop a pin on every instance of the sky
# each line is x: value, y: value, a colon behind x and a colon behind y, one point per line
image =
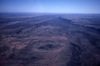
x: 50, y: 6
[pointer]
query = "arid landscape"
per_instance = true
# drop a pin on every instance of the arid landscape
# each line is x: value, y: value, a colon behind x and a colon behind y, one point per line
x: 49, y: 39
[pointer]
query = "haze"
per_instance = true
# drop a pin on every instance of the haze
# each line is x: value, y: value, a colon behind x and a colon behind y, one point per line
x: 50, y: 6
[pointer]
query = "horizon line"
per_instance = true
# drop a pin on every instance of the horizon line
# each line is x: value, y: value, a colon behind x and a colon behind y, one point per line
x: 50, y: 12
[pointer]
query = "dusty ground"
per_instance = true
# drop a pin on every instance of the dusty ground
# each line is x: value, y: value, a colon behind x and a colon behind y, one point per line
x: 50, y: 40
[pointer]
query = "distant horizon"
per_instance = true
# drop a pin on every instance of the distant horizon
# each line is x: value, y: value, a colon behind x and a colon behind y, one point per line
x: 46, y: 13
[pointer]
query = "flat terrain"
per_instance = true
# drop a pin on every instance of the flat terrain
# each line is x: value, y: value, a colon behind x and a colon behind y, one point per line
x: 50, y: 40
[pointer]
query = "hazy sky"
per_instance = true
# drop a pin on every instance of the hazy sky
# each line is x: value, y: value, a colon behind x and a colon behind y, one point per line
x: 50, y: 6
